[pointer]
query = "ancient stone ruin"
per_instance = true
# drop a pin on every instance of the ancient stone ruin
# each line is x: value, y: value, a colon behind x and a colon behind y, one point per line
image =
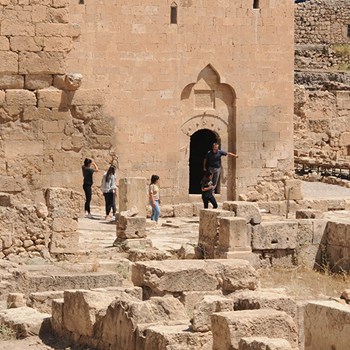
x: 149, y: 86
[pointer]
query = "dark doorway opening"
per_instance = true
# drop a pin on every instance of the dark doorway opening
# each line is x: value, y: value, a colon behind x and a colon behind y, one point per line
x: 201, y: 142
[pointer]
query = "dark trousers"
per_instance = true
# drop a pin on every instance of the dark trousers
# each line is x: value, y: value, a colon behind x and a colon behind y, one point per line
x: 110, y: 202
x: 211, y: 199
x: 88, y: 194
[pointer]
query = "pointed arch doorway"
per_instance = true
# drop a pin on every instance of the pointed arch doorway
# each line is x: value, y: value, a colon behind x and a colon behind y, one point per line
x: 201, y: 142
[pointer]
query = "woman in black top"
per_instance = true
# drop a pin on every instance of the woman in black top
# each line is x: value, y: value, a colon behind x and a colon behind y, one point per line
x: 207, y: 188
x: 88, y: 168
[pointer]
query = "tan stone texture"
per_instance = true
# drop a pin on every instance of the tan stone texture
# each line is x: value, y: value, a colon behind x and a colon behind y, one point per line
x: 229, y: 327
x: 263, y: 343
x: 194, y: 275
x: 203, y: 90
x: 323, y: 318
x: 176, y: 338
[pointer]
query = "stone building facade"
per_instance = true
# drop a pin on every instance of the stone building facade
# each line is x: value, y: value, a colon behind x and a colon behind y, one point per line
x: 153, y: 83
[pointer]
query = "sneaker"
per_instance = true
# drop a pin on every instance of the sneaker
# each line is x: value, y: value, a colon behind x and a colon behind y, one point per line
x: 89, y: 216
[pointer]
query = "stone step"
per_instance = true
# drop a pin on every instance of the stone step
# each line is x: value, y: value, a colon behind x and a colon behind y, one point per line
x: 61, y: 281
x: 230, y: 327
x: 176, y: 337
x: 24, y: 321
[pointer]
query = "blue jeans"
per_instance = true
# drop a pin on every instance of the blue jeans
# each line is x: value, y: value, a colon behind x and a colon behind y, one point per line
x: 155, y: 211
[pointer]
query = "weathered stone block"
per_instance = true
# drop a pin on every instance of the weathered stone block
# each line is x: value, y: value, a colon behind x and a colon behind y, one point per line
x: 292, y: 189
x: 323, y: 318
x: 25, y: 43
x: 263, y: 343
x: 64, y: 225
x: 275, y: 235
x: 209, y: 224
x: 131, y: 227
x: 63, y: 203
x: 132, y: 315
x: 229, y: 327
x: 177, y: 337
x: 247, y: 210
x: 25, y: 321
x: 20, y: 97
x: 57, y: 44
x: 183, y: 210
x: 12, y: 28
x: 64, y: 243
x: 82, y: 307
x: 133, y: 193
x: 11, y: 81
x: 205, y: 308
x: 15, y: 300
x: 37, y: 81
x: 41, y: 63
x: 51, y: 98
x: 57, y: 316
x: 194, y: 275
x: 338, y: 233
x: 191, y: 299
x: 260, y: 299
x: 234, y: 235
x: 42, y: 301
x: 4, y: 44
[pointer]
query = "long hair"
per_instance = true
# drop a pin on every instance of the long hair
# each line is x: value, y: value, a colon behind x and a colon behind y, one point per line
x: 110, y: 172
x: 154, y: 179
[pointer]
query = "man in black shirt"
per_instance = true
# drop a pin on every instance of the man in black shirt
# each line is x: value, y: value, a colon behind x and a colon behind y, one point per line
x: 212, y: 162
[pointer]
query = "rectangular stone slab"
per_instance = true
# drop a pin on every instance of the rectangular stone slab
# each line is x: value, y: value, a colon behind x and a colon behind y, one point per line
x: 194, y: 275
x: 229, y: 327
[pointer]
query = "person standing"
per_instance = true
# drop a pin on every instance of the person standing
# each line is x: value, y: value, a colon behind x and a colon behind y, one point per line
x: 108, y: 186
x: 88, y: 168
x: 154, y: 197
x: 207, y: 190
x: 212, y: 162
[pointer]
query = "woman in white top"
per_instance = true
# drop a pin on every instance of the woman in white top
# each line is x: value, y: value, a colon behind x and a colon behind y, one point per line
x: 108, y: 186
x: 154, y: 197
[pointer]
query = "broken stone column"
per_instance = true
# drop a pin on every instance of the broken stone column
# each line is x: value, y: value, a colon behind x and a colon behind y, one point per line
x: 133, y: 193
x: 64, y: 209
x: 234, y: 239
x: 209, y: 223
x: 131, y: 225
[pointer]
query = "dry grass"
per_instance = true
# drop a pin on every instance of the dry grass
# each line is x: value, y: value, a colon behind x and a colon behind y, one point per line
x: 303, y: 283
x: 6, y: 333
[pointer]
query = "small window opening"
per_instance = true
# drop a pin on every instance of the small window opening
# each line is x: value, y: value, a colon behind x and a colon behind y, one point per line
x: 348, y: 30
x: 81, y: 2
x: 173, y: 13
x: 256, y: 4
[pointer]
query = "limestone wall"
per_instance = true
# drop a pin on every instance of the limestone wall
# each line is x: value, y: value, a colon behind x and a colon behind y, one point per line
x: 224, y: 67
x: 322, y: 35
x: 47, y: 123
x: 322, y: 22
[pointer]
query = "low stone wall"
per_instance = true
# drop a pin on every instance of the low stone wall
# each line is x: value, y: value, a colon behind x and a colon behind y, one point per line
x: 41, y: 229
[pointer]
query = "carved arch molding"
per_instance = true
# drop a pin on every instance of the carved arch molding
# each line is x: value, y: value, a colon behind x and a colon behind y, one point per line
x: 208, y: 102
